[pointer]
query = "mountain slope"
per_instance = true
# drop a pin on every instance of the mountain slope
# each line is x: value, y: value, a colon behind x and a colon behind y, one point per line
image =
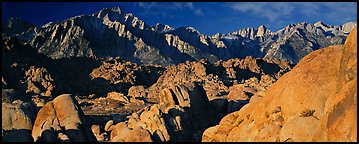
x: 112, y: 32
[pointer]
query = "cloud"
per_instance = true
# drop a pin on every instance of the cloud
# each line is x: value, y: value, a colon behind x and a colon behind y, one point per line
x: 198, y: 12
x: 342, y: 11
x: 278, y: 11
x: 271, y: 11
x: 195, y: 10
x: 181, y: 5
x: 156, y: 8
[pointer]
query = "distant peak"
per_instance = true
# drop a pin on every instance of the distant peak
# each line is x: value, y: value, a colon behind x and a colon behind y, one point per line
x: 130, y: 14
x: 216, y: 35
x: 190, y: 28
x: 348, y: 27
x: 111, y: 10
x: 319, y: 23
x: 262, y: 27
x: 162, y: 27
x: 261, y: 30
x: 291, y: 25
x: 350, y: 23
x: 304, y: 22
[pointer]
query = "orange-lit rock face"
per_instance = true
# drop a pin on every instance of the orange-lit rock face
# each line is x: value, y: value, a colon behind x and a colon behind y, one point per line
x: 316, y: 101
x: 61, y: 115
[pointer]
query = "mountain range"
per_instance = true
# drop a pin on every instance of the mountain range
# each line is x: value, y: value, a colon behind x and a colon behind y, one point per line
x: 110, y: 77
x: 112, y: 32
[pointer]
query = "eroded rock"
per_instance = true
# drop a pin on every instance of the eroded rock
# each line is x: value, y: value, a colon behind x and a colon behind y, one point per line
x: 61, y: 115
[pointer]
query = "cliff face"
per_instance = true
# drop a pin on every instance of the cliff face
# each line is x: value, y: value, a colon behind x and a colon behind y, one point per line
x: 111, y: 33
x: 315, y: 101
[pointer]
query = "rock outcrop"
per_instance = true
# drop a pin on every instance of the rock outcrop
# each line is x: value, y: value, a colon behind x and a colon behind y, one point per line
x: 340, y: 122
x: 17, y: 121
x: 120, y: 71
x: 18, y: 115
x: 148, y: 121
x: 118, y: 96
x: 137, y: 92
x: 181, y: 115
x: 255, y: 76
x: 62, y: 116
x: 315, y: 101
x: 121, y: 133
x: 39, y: 81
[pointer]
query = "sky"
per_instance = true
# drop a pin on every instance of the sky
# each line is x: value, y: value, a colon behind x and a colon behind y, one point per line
x: 207, y: 17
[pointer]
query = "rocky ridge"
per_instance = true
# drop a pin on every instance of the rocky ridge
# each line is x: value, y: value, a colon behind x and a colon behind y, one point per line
x: 112, y: 32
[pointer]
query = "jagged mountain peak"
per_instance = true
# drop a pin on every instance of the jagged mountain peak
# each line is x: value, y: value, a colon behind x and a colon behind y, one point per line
x: 217, y: 36
x: 262, y: 30
x: 324, y: 26
x: 189, y: 28
x: 161, y: 28
x: 347, y: 27
x: 319, y: 23
x: 49, y: 24
x: 130, y: 15
x: 116, y: 9
x: 185, y: 31
x: 293, y: 27
x: 114, y: 13
x: 262, y: 27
